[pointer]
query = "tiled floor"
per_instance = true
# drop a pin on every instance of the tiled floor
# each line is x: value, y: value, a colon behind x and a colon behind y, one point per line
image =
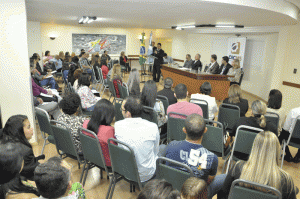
x: 96, y: 188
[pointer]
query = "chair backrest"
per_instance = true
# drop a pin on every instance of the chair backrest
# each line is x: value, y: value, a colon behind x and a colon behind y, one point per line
x: 91, y: 148
x: 121, y: 91
x: 213, y: 138
x: 124, y: 91
x: 204, y: 106
x: 228, y: 115
x: 239, y: 190
x: 174, y: 127
x: 272, y: 117
x: 118, y: 105
x: 164, y: 100
x: 100, y: 75
x: 111, y: 87
x: 241, y: 78
x: 123, y: 160
x: 244, y: 139
x: 63, y: 139
x: 172, y: 175
x: 44, y: 120
x: 149, y: 114
x: 95, y: 74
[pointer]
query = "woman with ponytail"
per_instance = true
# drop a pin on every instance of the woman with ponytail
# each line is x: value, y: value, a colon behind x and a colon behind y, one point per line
x: 256, y: 120
x: 262, y: 167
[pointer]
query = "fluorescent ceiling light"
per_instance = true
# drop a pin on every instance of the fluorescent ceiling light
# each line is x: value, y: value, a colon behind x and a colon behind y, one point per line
x: 90, y: 20
x: 188, y: 26
x: 86, y: 20
x: 225, y: 26
x: 178, y: 28
x: 81, y: 20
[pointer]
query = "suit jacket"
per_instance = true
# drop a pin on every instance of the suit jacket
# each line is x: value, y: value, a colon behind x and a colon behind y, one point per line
x: 228, y: 66
x: 214, y: 69
x: 197, y: 65
x: 169, y: 94
x: 159, y: 57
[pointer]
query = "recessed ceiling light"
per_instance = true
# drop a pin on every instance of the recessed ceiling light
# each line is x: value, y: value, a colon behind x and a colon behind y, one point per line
x: 225, y: 26
x: 86, y: 20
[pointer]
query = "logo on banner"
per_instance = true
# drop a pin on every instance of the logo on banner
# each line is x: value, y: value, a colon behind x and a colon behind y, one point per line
x: 235, y: 48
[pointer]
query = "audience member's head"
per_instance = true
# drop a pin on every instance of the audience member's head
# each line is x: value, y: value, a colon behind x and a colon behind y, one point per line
x: 77, y: 73
x: 96, y: 60
x: 181, y: 91
x: 275, y: 99
x: 70, y: 103
x: 73, y: 54
x: 122, y: 53
x: 165, y: 55
x: 75, y: 59
x: 11, y: 161
x: 105, y: 52
x: 84, y: 80
x: 263, y: 164
x: 116, y: 71
x: 82, y: 50
x: 197, y: 56
x: 153, y: 43
x: 194, y: 127
x: 236, y: 64
x: 225, y: 60
x: 47, y: 53
x: 194, y: 188
x: 17, y: 129
x: 132, y: 107
x: 158, y: 45
x: 56, y: 57
x: 259, y: 109
x: 205, y: 88
x: 61, y: 55
x: 53, y: 178
x: 213, y: 58
x: 235, y: 94
x: 134, y: 78
x: 149, y: 93
x: 158, y: 188
x: 188, y: 57
x: 168, y: 83
x: 103, y: 114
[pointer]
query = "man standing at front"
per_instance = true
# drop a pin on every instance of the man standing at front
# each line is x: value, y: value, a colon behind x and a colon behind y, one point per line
x: 158, y: 60
x: 190, y: 152
x: 141, y: 135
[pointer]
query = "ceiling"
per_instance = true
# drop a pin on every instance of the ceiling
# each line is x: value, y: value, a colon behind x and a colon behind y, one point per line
x: 157, y: 14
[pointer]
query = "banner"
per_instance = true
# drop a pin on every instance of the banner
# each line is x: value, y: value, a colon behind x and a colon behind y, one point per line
x: 142, y: 50
x: 236, y: 49
x: 150, y: 50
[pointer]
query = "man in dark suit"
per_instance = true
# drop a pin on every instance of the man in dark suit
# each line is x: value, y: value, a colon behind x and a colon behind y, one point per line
x: 213, y: 67
x: 197, y: 63
x: 168, y: 84
x: 224, y: 68
x: 159, y: 59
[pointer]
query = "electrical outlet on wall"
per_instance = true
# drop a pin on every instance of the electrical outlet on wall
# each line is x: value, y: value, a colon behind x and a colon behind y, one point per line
x: 295, y: 70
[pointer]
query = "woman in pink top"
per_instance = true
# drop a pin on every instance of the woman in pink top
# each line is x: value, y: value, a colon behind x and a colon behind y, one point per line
x: 104, y: 68
x: 99, y: 123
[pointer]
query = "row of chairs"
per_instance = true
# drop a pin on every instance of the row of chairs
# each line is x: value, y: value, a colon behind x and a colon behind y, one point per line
x: 123, y: 160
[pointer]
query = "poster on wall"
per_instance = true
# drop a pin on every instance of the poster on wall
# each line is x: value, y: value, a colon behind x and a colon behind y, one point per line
x: 236, y: 49
x: 91, y: 43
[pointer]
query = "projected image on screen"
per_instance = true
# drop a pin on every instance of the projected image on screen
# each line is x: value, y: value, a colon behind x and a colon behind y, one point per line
x: 91, y: 43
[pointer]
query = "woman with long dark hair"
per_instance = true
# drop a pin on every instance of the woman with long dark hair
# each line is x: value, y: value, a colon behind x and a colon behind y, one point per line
x: 99, y: 123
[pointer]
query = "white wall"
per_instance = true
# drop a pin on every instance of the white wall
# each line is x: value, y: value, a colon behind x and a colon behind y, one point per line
x: 34, y: 37
x: 15, y: 79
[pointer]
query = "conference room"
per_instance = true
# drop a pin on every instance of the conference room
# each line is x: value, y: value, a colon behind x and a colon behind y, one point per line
x: 66, y: 65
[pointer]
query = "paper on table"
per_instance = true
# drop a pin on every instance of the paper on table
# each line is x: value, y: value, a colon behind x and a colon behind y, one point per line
x: 53, y: 71
x: 49, y: 76
x: 95, y: 91
x: 45, y: 95
x: 98, y: 98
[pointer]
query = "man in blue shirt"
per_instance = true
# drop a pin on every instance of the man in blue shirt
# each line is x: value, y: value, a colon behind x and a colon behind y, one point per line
x: 190, y: 152
x: 57, y: 62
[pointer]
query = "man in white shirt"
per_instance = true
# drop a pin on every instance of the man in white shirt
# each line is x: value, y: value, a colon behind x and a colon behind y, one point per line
x: 141, y: 135
x: 213, y: 67
x: 168, y: 59
x: 285, y: 133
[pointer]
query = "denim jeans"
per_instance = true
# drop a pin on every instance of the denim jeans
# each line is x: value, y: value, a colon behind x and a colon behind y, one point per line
x: 90, y: 71
x: 90, y: 108
x: 216, y: 185
x: 65, y: 74
x: 48, y: 81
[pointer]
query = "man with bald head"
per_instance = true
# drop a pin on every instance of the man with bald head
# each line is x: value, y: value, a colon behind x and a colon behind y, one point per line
x: 197, y: 63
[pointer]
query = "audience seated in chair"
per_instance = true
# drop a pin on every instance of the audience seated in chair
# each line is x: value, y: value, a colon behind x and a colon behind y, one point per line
x: 53, y: 180
x: 148, y: 98
x: 235, y: 98
x: 38, y: 67
x: 194, y: 188
x: 37, y: 91
x: 262, y: 167
x: 76, y: 75
x: 96, y: 63
x: 167, y: 91
x: 47, y: 57
x: 205, y: 91
x: 274, y: 106
x: 285, y: 133
x: 18, y: 130
x: 58, y: 63
x: 51, y: 107
x: 73, y: 67
x: 70, y: 106
x: 141, y: 135
x: 183, y: 106
x: 66, y: 66
x: 188, y: 62
x: 100, y: 124
x: 134, y: 83
x: 116, y: 78
x: 85, y: 65
x: 88, y: 99
x: 11, y: 164
x: 124, y: 61
x: 158, y: 188
x: 236, y: 71
x: 190, y: 152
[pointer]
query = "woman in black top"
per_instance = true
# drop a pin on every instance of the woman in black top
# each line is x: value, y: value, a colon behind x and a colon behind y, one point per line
x: 257, y: 119
x: 124, y: 61
x: 262, y: 167
x: 235, y: 98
